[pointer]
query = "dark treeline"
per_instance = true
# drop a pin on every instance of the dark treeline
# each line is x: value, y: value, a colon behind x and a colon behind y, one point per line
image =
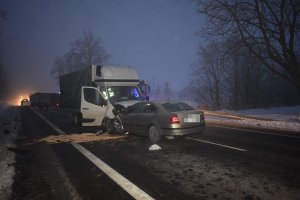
x: 3, y: 77
x: 229, y: 76
x: 3, y: 84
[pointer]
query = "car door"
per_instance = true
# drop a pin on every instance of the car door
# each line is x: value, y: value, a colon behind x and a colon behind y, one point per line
x: 144, y: 117
x: 129, y: 118
x: 93, y: 106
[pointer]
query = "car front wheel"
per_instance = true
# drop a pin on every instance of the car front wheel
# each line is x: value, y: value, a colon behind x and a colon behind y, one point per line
x: 114, y: 126
x: 118, y: 128
x: 154, y: 134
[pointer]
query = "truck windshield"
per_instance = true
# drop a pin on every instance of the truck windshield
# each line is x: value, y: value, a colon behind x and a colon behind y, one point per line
x: 123, y: 93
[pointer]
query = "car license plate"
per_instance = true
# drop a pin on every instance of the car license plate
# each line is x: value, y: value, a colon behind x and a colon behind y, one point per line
x: 192, y: 118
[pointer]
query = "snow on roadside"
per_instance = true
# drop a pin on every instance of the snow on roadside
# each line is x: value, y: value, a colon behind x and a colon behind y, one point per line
x: 9, y: 127
x: 286, y: 113
x: 280, y: 118
x: 279, y: 125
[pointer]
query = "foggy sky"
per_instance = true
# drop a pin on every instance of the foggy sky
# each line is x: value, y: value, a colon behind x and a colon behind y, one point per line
x: 156, y: 37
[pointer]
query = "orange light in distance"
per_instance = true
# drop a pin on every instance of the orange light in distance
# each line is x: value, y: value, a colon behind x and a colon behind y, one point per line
x: 17, y: 100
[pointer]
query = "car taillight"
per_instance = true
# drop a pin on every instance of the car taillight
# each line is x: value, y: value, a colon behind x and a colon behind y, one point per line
x: 174, y: 119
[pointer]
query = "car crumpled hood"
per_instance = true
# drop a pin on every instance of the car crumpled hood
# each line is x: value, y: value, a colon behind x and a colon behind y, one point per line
x: 127, y: 103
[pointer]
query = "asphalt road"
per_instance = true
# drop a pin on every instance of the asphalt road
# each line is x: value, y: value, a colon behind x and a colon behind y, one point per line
x: 222, y: 163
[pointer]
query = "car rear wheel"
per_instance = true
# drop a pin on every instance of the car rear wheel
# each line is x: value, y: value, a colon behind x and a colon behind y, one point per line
x: 154, y: 134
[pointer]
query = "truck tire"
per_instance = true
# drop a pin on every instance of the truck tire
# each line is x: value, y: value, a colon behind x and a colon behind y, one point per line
x: 108, y: 126
x: 77, y: 119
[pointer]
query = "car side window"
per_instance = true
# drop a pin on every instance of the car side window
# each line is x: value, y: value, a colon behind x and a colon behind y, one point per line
x: 148, y: 108
x: 133, y: 109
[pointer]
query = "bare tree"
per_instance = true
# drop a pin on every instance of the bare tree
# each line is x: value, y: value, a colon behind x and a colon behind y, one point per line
x: 269, y: 29
x: 167, y: 92
x: 229, y: 75
x: 243, y: 75
x: 84, y: 51
x: 157, y: 92
x: 89, y: 49
x: 208, y: 75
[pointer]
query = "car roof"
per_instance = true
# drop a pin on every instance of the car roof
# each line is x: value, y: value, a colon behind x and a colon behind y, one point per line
x: 165, y: 101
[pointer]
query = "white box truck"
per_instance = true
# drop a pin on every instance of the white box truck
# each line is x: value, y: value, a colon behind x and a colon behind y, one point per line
x: 90, y: 95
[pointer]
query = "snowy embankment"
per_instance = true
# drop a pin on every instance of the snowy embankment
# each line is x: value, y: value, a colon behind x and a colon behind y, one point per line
x: 9, y: 127
x: 279, y: 118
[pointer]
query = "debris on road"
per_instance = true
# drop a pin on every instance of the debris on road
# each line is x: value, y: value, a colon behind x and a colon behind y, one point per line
x: 154, y: 147
x: 99, y: 132
x: 78, y: 138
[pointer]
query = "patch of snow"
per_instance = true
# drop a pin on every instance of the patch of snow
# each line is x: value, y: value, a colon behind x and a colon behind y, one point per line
x: 154, y: 147
x: 281, y: 118
x: 291, y: 113
x: 9, y: 127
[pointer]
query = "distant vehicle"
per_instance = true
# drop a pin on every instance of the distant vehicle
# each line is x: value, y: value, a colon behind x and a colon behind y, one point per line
x: 25, y: 102
x: 145, y: 89
x: 91, y: 95
x: 157, y: 119
x: 45, y: 100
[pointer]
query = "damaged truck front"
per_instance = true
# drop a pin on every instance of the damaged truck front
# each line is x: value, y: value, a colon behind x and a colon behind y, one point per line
x: 94, y: 95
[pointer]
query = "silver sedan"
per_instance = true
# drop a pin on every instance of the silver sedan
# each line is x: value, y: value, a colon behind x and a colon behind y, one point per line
x: 157, y: 119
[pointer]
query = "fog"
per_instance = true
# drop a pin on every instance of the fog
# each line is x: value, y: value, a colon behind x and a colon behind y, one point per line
x: 157, y: 38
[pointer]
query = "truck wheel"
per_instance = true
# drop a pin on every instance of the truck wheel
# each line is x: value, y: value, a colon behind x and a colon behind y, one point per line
x: 108, y: 125
x: 77, y: 119
x: 154, y: 134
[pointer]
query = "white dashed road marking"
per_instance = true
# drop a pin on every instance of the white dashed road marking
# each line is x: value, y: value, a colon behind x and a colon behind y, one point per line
x: 123, y: 182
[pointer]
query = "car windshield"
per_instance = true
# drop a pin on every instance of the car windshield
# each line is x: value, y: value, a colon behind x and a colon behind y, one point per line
x: 177, y: 106
x: 123, y: 93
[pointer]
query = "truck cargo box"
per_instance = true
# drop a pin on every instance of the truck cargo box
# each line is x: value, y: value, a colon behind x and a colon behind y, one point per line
x: 45, y: 100
x: 70, y: 87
